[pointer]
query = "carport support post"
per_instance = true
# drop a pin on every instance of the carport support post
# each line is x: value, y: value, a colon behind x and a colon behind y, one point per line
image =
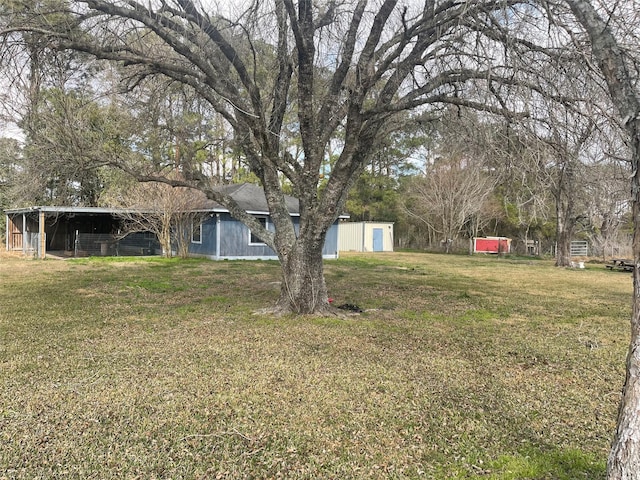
x: 42, y: 241
x: 24, y: 234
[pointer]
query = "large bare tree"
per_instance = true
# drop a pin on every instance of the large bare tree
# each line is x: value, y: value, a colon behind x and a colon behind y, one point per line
x: 282, y: 72
x: 453, y: 194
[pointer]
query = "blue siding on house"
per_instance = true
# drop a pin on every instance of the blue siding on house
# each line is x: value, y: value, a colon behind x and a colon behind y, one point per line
x: 234, y: 239
x: 330, y: 249
x: 208, y: 245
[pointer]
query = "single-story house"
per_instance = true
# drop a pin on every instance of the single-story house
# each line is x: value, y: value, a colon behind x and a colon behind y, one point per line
x: 365, y: 237
x: 78, y: 231
x: 223, y: 237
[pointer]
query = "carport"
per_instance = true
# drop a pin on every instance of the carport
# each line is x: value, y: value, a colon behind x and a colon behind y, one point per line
x: 72, y: 231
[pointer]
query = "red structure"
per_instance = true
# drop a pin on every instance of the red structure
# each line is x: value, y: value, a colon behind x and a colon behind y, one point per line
x: 492, y: 245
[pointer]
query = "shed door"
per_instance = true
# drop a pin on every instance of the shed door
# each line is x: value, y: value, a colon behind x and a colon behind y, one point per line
x: 377, y: 240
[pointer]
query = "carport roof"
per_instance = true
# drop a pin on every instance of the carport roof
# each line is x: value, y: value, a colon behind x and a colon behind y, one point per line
x: 60, y: 210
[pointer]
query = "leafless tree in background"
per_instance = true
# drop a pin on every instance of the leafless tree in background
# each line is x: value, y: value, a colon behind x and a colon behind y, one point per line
x: 168, y: 212
x: 452, y: 195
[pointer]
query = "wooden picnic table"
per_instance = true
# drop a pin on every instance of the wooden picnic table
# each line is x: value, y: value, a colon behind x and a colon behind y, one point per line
x: 621, y: 264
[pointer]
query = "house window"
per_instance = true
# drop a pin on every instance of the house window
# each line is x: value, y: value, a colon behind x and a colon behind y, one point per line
x: 196, y: 232
x: 255, y: 240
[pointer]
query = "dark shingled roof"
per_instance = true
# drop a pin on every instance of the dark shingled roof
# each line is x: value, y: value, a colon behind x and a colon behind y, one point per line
x: 251, y: 198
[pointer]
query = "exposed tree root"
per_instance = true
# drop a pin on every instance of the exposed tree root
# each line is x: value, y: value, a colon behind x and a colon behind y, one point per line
x: 327, y: 311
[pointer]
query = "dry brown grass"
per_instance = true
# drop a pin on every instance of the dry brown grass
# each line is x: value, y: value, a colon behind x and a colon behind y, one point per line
x: 459, y: 368
x: 4, y: 254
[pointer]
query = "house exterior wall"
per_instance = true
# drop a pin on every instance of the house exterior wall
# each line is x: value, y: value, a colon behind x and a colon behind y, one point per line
x: 365, y: 237
x: 235, y: 240
x: 330, y: 249
x: 224, y: 237
x: 208, y: 245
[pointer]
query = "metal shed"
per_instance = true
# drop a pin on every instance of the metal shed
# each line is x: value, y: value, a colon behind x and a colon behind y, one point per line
x: 365, y: 237
x: 491, y: 245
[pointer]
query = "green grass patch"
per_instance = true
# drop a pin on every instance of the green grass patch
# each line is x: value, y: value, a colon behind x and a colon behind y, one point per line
x: 460, y: 367
x: 559, y: 465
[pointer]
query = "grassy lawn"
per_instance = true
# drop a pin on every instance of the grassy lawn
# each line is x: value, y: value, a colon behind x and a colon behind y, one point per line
x: 460, y: 367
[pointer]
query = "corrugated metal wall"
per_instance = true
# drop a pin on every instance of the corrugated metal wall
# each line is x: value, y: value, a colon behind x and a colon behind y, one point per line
x: 365, y: 236
x: 350, y: 237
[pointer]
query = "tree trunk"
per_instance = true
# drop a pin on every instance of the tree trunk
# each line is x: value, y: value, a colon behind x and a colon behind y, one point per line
x: 563, y: 245
x: 182, y: 235
x: 165, y: 240
x: 303, y: 288
x: 565, y: 221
